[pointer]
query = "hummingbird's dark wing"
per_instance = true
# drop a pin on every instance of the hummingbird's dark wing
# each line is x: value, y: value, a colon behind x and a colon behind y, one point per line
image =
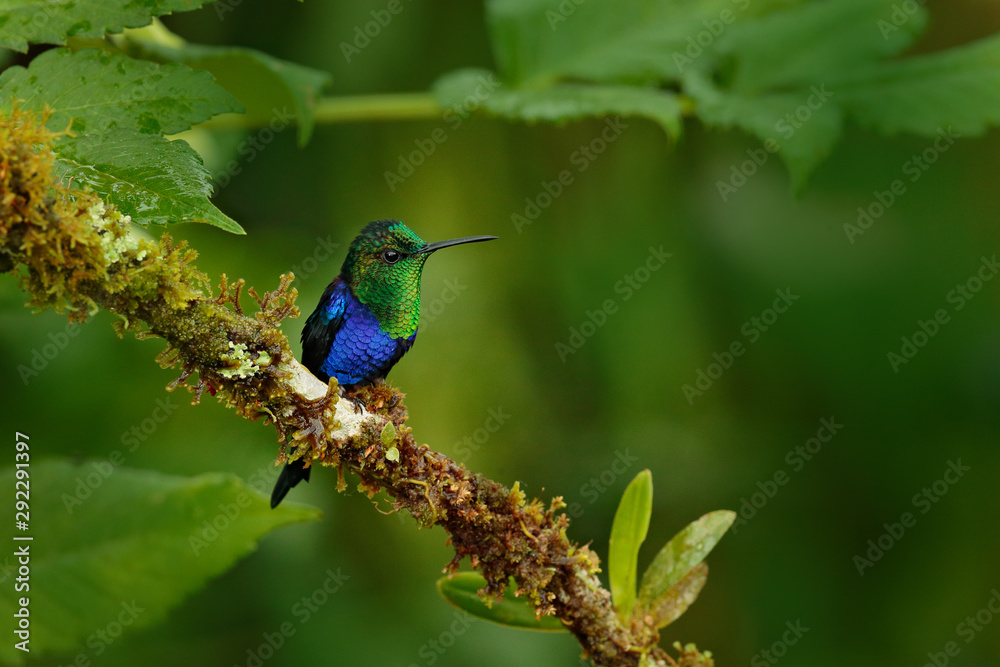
x: 322, y: 326
x: 317, y: 337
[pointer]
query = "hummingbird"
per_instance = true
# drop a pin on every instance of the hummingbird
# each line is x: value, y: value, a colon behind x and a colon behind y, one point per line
x: 367, y: 318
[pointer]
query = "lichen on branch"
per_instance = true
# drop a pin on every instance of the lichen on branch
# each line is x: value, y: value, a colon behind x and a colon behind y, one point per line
x: 75, y: 254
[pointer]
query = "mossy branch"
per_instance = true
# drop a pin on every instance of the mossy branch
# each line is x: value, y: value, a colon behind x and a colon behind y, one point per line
x: 76, y: 255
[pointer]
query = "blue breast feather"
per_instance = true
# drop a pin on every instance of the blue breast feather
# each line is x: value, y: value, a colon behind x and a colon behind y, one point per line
x: 360, y: 350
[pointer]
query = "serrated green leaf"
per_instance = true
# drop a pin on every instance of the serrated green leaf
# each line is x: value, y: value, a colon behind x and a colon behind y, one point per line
x: 272, y: 90
x: 679, y: 556
x: 627, y: 534
x: 537, y: 42
x: 154, y: 180
x: 109, y: 541
x: 118, y: 110
x: 461, y: 591
x: 24, y: 22
x: 957, y: 88
x: 801, y: 127
x: 672, y: 604
x: 99, y: 91
x: 826, y: 38
x: 560, y: 102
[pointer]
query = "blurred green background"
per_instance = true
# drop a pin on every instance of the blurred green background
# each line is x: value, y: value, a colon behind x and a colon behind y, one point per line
x: 619, y: 397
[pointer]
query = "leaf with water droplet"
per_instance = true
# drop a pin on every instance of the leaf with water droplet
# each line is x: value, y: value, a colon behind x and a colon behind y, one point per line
x: 677, y: 559
x: 627, y: 534
x: 126, y: 106
x: 275, y: 92
x: 462, y: 589
x: 46, y: 22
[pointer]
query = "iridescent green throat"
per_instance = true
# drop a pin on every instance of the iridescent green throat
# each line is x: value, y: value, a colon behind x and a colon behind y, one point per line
x: 390, y: 291
x: 394, y: 298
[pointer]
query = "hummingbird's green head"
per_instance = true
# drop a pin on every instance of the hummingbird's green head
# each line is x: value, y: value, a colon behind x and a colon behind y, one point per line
x: 383, y: 268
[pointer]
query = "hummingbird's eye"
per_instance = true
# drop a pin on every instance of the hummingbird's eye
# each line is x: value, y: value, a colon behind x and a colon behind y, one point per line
x: 390, y: 256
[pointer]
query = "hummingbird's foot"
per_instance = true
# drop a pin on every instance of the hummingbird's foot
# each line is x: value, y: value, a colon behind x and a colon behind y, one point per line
x: 358, y: 404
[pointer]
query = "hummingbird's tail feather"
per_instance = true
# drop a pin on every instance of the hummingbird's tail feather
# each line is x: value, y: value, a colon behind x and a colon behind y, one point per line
x: 293, y: 473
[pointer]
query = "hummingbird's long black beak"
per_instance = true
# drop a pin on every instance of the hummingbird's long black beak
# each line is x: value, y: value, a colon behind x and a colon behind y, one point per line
x: 431, y: 247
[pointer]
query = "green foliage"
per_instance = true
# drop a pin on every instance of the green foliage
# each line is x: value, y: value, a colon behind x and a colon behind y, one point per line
x: 44, y: 21
x: 462, y: 590
x: 732, y: 62
x: 110, y: 541
x: 536, y: 42
x: 560, y: 102
x: 670, y: 585
x: 676, y: 575
x: 628, y: 532
x: 959, y: 88
x: 118, y: 110
x: 265, y: 85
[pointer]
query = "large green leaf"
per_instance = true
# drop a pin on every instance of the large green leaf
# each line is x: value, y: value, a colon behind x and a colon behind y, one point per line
x: 461, y: 590
x: 118, y: 110
x: 154, y: 180
x: 957, y: 88
x: 678, y: 558
x: 53, y: 22
x: 627, y: 534
x: 537, y: 42
x: 272, y: 90
x: 792, y: 104
x: 800, y: 126
x: 467, y: 89
x: 117, y: 545
x: 826, y: 38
